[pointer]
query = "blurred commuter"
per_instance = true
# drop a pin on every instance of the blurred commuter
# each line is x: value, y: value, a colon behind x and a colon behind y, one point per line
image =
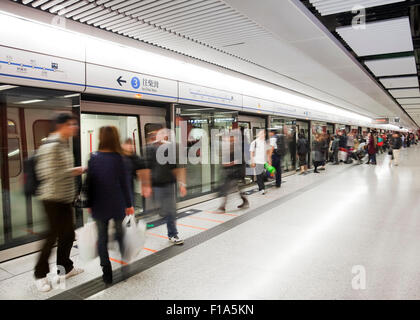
x: 318, y: 152
x: 302, y: 150
x: 108, y: 192
x: 342, y: 145
x: 231, y: 171
x: 278, y: 144
x: 165, y: 173
x: 396, y: 144
x: 335, y: 149
x: 324, y: 150
x: 380, y: 143
x: 55, y: 169
x: 260, y: 154
x: 404, y: 140
x: 135, y: 169
x: 371, y: 148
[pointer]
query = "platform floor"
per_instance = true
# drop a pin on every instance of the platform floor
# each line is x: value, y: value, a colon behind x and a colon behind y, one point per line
x: 318, y: 237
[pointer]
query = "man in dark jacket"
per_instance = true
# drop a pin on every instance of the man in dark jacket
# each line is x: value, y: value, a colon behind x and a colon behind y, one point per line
x: 166, y: 172
x: 396, y: 144
x: 278, y: 144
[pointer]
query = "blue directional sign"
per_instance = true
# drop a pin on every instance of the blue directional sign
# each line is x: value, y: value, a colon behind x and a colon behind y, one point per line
x: 135, y: 82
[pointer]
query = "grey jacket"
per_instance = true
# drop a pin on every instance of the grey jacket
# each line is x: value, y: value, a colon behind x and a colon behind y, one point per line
x: 54, y: 166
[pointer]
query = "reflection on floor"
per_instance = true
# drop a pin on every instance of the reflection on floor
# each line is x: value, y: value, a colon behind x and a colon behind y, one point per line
x: 355, y: 236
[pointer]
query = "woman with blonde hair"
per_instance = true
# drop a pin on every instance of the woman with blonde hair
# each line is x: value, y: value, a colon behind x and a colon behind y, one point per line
x: 108, y: 193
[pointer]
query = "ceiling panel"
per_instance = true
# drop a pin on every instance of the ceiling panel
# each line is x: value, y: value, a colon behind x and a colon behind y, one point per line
x: 326, y: 7
x: 400, y: 82
x: 392, y: 67
x: 413, y: 106
x: 404, y: 102
x: 405, y: 93
x: 382, y: 37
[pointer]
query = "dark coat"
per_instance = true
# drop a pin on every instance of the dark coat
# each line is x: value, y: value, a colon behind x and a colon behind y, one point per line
x: 371, y: 145
x: 108, y: 188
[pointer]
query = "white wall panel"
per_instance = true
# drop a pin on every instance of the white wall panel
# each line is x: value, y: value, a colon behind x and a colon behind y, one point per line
x: 40, y: 70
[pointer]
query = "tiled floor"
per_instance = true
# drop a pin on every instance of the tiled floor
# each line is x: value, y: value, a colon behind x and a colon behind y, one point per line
x: 305, y: 248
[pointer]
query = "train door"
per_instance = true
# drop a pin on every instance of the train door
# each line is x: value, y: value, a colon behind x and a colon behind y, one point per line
x: 25, y: 117
x: 136, y: 122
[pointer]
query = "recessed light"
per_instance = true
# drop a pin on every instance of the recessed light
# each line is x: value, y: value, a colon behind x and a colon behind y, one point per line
x: 30, y: 101
x: 7, y: 87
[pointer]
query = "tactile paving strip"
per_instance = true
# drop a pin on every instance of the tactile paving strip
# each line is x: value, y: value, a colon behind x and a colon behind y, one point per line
x: 96, y: 285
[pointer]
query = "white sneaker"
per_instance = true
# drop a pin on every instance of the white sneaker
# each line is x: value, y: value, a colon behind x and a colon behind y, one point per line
x: 43, y: 285
x: 176, y: 240
x: 263, y: 191
x: 74, y: 272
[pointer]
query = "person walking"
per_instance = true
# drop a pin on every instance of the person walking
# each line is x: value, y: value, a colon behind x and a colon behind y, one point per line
x: 56, y: 173
x: 334, y: 149
x: 302, y: 149
x: 371, y: 149
x: 135, y: 169
x: 278, y: 144
x: 108, y: 193
x: 260, y: 154
x: 396, y: 144
x: 165, y: 173
x: 231, y: 171
x: 318, y: 152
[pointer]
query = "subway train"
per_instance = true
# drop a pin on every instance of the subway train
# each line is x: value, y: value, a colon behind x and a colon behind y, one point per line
x: 139, y: 90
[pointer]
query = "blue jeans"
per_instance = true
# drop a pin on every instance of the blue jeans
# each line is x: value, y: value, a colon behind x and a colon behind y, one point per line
x: 165, y: 197
x: 372, y: 157
x: 103, y: 239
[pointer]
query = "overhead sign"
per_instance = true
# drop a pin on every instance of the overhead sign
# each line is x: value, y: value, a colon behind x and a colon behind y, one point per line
x: 110, y: 81
x: 197, y: 95
x: 38, y: 70
x: 380, y: 121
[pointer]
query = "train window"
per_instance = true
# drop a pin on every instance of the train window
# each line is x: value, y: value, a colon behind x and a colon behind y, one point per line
x: 150, y: 129
x: 11, y: 127
x: 15, y: 166
x: 41, y: 130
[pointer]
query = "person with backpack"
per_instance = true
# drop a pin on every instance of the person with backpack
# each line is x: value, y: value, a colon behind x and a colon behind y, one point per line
x: 278, y: 144
x: 302, y: 150
x: 56, y: 174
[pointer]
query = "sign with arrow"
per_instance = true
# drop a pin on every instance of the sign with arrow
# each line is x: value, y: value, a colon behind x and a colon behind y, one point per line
x: 110, y: 81
x: 120, y: 80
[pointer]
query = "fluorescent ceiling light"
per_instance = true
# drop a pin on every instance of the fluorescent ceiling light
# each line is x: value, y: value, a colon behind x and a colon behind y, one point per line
x: 381, y: 37
x: 405, y: 93
x: 30, y: 101
x: 400, y: 82
x: 71, y: 95
x: 7, y: 87
x: 392, y: 67
x: 326, y: 7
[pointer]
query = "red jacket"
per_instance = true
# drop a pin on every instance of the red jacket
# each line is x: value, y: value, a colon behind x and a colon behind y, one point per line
x: 371, y: 146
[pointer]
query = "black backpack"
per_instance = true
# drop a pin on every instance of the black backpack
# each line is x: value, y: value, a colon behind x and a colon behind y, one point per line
x: 281, y: 145
x: 31, y: 181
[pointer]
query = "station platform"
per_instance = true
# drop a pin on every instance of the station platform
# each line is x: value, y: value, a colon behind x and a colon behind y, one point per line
x: 350, y: 232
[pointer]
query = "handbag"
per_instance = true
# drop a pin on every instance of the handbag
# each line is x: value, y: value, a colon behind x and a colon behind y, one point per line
x: 81, y: 200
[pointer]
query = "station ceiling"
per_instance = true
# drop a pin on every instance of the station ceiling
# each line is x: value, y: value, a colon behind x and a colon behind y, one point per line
x: 301, y: 45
